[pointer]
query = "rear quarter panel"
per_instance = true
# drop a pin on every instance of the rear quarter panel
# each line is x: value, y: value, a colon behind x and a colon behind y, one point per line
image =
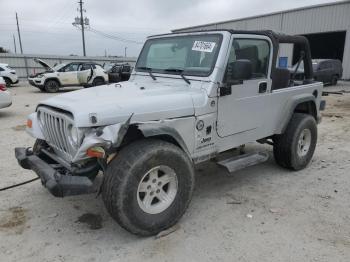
x: 284, y: 101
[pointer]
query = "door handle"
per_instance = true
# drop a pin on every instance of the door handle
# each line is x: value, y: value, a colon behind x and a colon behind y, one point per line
x: 262, y: 87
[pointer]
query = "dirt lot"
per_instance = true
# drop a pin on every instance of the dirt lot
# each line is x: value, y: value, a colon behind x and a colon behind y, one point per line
x: 263, y: 213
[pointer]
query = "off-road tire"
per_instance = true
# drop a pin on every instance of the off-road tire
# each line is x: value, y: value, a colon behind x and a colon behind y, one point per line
x: 52, y: 86
x: 334, y: 80
x: 122, y: 178
x: 285, y: 148
x: 98, y: 82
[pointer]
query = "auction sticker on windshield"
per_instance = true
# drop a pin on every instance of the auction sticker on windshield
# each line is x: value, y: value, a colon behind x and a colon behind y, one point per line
x: 203, y: 46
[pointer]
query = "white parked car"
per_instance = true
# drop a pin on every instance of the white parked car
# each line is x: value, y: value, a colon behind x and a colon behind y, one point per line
x: 5, y: 96
x: 8, y: 74
x: 73, y: 74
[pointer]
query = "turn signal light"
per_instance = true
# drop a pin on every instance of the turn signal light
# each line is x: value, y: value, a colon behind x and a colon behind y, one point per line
x: 97, y: 152
x: 29, y: 123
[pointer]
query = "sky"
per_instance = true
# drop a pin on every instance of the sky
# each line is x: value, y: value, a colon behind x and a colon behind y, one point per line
x: 117, y: 26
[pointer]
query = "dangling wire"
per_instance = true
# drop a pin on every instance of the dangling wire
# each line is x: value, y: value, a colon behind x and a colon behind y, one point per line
x: 20, y: 184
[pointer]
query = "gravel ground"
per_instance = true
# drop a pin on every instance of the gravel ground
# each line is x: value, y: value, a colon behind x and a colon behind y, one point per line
x: 262, y: 213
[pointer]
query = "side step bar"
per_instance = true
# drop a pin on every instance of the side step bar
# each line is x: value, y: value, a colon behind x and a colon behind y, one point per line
x: 242, y: 161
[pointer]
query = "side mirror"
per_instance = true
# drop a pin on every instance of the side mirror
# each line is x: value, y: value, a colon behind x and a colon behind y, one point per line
x: 240, y: 70
x: 237, y: 71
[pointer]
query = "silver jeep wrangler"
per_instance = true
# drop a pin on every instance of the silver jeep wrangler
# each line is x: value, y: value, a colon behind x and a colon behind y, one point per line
x: 190, y: 97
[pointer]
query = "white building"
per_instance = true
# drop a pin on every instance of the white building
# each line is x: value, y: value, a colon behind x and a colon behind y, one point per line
x: 327, y: 27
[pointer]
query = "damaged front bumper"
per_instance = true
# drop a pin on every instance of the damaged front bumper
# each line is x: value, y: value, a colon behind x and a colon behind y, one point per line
x: 58, y: 184
x: 36, y: 83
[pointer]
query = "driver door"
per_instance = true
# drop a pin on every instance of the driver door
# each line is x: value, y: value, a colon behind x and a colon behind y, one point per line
x: 247, y: 106
x: 68, y: 74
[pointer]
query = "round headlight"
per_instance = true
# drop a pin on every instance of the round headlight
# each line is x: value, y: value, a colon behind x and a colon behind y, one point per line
x: 73, y: 133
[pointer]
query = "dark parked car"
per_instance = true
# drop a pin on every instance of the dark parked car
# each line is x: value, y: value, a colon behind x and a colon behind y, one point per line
x: 118, y: 72
x: 328, y: 71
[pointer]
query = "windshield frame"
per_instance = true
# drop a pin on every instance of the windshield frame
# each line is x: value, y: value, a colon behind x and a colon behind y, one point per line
x: 187, y: 73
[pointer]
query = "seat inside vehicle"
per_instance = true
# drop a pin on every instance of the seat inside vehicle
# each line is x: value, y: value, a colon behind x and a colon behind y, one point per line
x: 281, y: 78
x: 249, y: 53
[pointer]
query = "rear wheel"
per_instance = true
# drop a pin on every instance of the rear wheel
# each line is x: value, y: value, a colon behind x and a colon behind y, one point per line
x: 98, y: 82
x: 295, y: 148
x: 51, y: 86
x: 148, y: 186
x: 334, y: 80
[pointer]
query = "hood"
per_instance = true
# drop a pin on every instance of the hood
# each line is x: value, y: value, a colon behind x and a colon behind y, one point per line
x: 115, y: 103
x: 43, y: 64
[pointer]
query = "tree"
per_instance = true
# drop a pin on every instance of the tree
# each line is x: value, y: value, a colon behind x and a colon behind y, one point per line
x: 3, y: 50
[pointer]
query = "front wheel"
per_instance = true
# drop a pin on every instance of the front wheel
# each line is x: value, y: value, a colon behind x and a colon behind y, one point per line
x: 52, y: 86
x: 295, y: 148
x: 148, y: 186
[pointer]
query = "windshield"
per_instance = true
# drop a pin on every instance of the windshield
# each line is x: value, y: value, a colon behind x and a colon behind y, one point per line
x: 108, y: 66
x: 314, y: 66
x: 191, y: 55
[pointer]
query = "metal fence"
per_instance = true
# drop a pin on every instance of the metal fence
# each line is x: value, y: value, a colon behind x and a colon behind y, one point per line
x: 25, y: 64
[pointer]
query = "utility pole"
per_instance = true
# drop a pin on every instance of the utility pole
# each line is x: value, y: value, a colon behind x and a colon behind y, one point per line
x: 125, y: 51
x: 19, y: 35
x: 82, y: 22
x: 82, y: 25
x: 14, y: 43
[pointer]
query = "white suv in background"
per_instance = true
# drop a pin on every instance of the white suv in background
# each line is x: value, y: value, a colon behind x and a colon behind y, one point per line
x: 5, y: 96
x: 8, y: 74
x: 73, y: 74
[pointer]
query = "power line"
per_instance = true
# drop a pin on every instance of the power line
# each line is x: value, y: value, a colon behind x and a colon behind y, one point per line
x: 63, y: 15
x: 114, y: 37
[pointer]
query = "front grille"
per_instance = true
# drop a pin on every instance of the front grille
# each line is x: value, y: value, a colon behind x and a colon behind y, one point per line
x: 55, y: 126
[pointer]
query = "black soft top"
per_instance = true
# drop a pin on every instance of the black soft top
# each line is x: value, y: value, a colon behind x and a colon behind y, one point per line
x: 276, y: 39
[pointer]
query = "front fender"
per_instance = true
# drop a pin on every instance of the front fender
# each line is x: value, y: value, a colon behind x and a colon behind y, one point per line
x: 53, y: 78
x: 108, y: 137
x: 159, y: 130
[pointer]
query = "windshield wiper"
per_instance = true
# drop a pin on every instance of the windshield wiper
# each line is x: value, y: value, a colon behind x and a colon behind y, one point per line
x: 149, y: 70
x: 180, y: 71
